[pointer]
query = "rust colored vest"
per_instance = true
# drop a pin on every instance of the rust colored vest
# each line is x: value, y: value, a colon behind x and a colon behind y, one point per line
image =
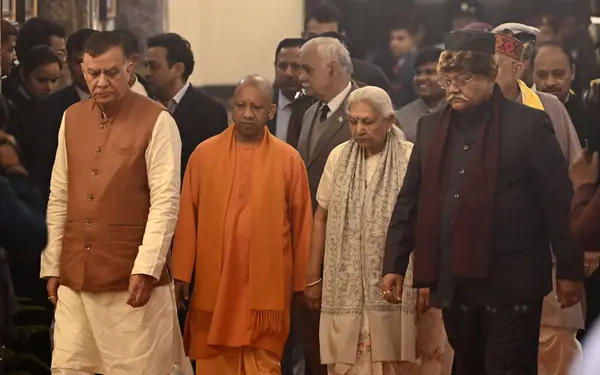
x: 108, y: 194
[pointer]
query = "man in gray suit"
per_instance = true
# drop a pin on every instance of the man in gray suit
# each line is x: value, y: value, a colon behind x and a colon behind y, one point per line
x: 326, y: 70
x: 325, y: 73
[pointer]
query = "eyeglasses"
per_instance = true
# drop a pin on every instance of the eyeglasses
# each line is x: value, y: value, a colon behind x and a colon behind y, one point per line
x: 459, y: 82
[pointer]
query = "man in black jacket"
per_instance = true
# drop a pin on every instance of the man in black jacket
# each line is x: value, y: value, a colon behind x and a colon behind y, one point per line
x: 486, y: 193
x: 288, y: 96
x: 169, y: 63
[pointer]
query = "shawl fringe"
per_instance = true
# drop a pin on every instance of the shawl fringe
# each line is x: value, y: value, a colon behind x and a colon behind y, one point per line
x: 266, y: 321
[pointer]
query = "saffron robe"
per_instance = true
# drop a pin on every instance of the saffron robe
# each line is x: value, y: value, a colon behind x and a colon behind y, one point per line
x: 232, y: 321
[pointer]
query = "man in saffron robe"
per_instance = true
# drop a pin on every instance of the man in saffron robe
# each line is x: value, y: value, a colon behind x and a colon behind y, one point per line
x: 244, y: 228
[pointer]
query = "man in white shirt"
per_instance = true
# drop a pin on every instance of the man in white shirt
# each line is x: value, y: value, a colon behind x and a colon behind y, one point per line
x: 111, y: 216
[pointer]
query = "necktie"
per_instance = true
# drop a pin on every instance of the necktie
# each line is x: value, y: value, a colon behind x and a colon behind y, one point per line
x: 323, y: 113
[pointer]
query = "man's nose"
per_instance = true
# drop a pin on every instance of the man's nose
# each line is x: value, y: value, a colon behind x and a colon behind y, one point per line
x: 550, y: 81
x: 247, y: 113
x: 102, y: 81
x: 453, y: 89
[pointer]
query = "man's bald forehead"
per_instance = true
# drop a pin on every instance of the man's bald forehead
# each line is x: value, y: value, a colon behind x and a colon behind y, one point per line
x: 259, y: 82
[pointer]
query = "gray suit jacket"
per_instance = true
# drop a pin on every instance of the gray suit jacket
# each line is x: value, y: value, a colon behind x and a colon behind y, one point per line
x: 337, y: 132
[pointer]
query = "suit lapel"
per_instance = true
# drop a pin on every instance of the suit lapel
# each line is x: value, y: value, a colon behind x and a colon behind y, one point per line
x: 333, y: 124
x: 184, y: 99
x: 304, y: 140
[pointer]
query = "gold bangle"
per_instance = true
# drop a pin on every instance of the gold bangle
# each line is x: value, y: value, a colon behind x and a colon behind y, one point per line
x: 313, y: 283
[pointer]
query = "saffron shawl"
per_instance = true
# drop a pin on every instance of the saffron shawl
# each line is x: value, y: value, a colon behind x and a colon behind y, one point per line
x: 267, y: 297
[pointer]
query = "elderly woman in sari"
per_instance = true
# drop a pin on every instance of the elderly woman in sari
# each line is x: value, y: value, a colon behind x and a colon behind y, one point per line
x: 360, y: 333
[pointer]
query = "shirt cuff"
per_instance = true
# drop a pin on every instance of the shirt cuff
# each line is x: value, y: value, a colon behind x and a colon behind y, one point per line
x: 144, y: 269
x: 47, y: 272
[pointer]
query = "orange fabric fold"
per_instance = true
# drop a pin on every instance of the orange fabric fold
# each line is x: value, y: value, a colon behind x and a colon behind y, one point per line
x: 266, y: 294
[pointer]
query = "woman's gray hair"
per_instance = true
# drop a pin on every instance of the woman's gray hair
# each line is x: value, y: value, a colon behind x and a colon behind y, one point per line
x: 375, y: 96
x: 331, y: 49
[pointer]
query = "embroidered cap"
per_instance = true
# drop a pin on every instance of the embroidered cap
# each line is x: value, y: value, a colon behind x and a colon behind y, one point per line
x: 524, y: 33
x: 482, y: 26
x: 509, y: 46
x: 470, y: 40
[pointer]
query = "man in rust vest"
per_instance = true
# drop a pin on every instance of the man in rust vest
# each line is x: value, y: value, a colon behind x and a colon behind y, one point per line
x: 111, y: 215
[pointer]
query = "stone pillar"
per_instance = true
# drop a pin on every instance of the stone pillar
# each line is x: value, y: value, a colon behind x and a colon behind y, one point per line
x: 144, y: 18
x: 70, y: 14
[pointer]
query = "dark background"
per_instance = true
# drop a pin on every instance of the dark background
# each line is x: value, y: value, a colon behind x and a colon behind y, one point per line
x: 367, y: 22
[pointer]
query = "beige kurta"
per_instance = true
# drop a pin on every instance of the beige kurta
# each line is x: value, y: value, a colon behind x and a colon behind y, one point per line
x: 99, y: 332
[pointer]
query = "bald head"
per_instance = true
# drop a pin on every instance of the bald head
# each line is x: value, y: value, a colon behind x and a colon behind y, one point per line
x: 252, y: 107
x: 258, y: 82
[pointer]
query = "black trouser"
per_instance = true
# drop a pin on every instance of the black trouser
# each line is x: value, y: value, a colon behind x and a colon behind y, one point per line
x: 592, y: 294
x: 308, y: 323
x: 494, y: 340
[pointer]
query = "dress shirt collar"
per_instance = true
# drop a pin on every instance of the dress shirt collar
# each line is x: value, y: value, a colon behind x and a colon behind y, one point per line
x: 173, y: 103
x: 335, y: 103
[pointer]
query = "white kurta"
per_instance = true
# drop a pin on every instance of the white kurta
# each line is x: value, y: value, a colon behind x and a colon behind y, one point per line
x: 99, y: 332
x: 138, y: 88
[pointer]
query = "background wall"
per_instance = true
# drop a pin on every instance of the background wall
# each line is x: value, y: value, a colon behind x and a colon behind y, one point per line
x: 233, y: 38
